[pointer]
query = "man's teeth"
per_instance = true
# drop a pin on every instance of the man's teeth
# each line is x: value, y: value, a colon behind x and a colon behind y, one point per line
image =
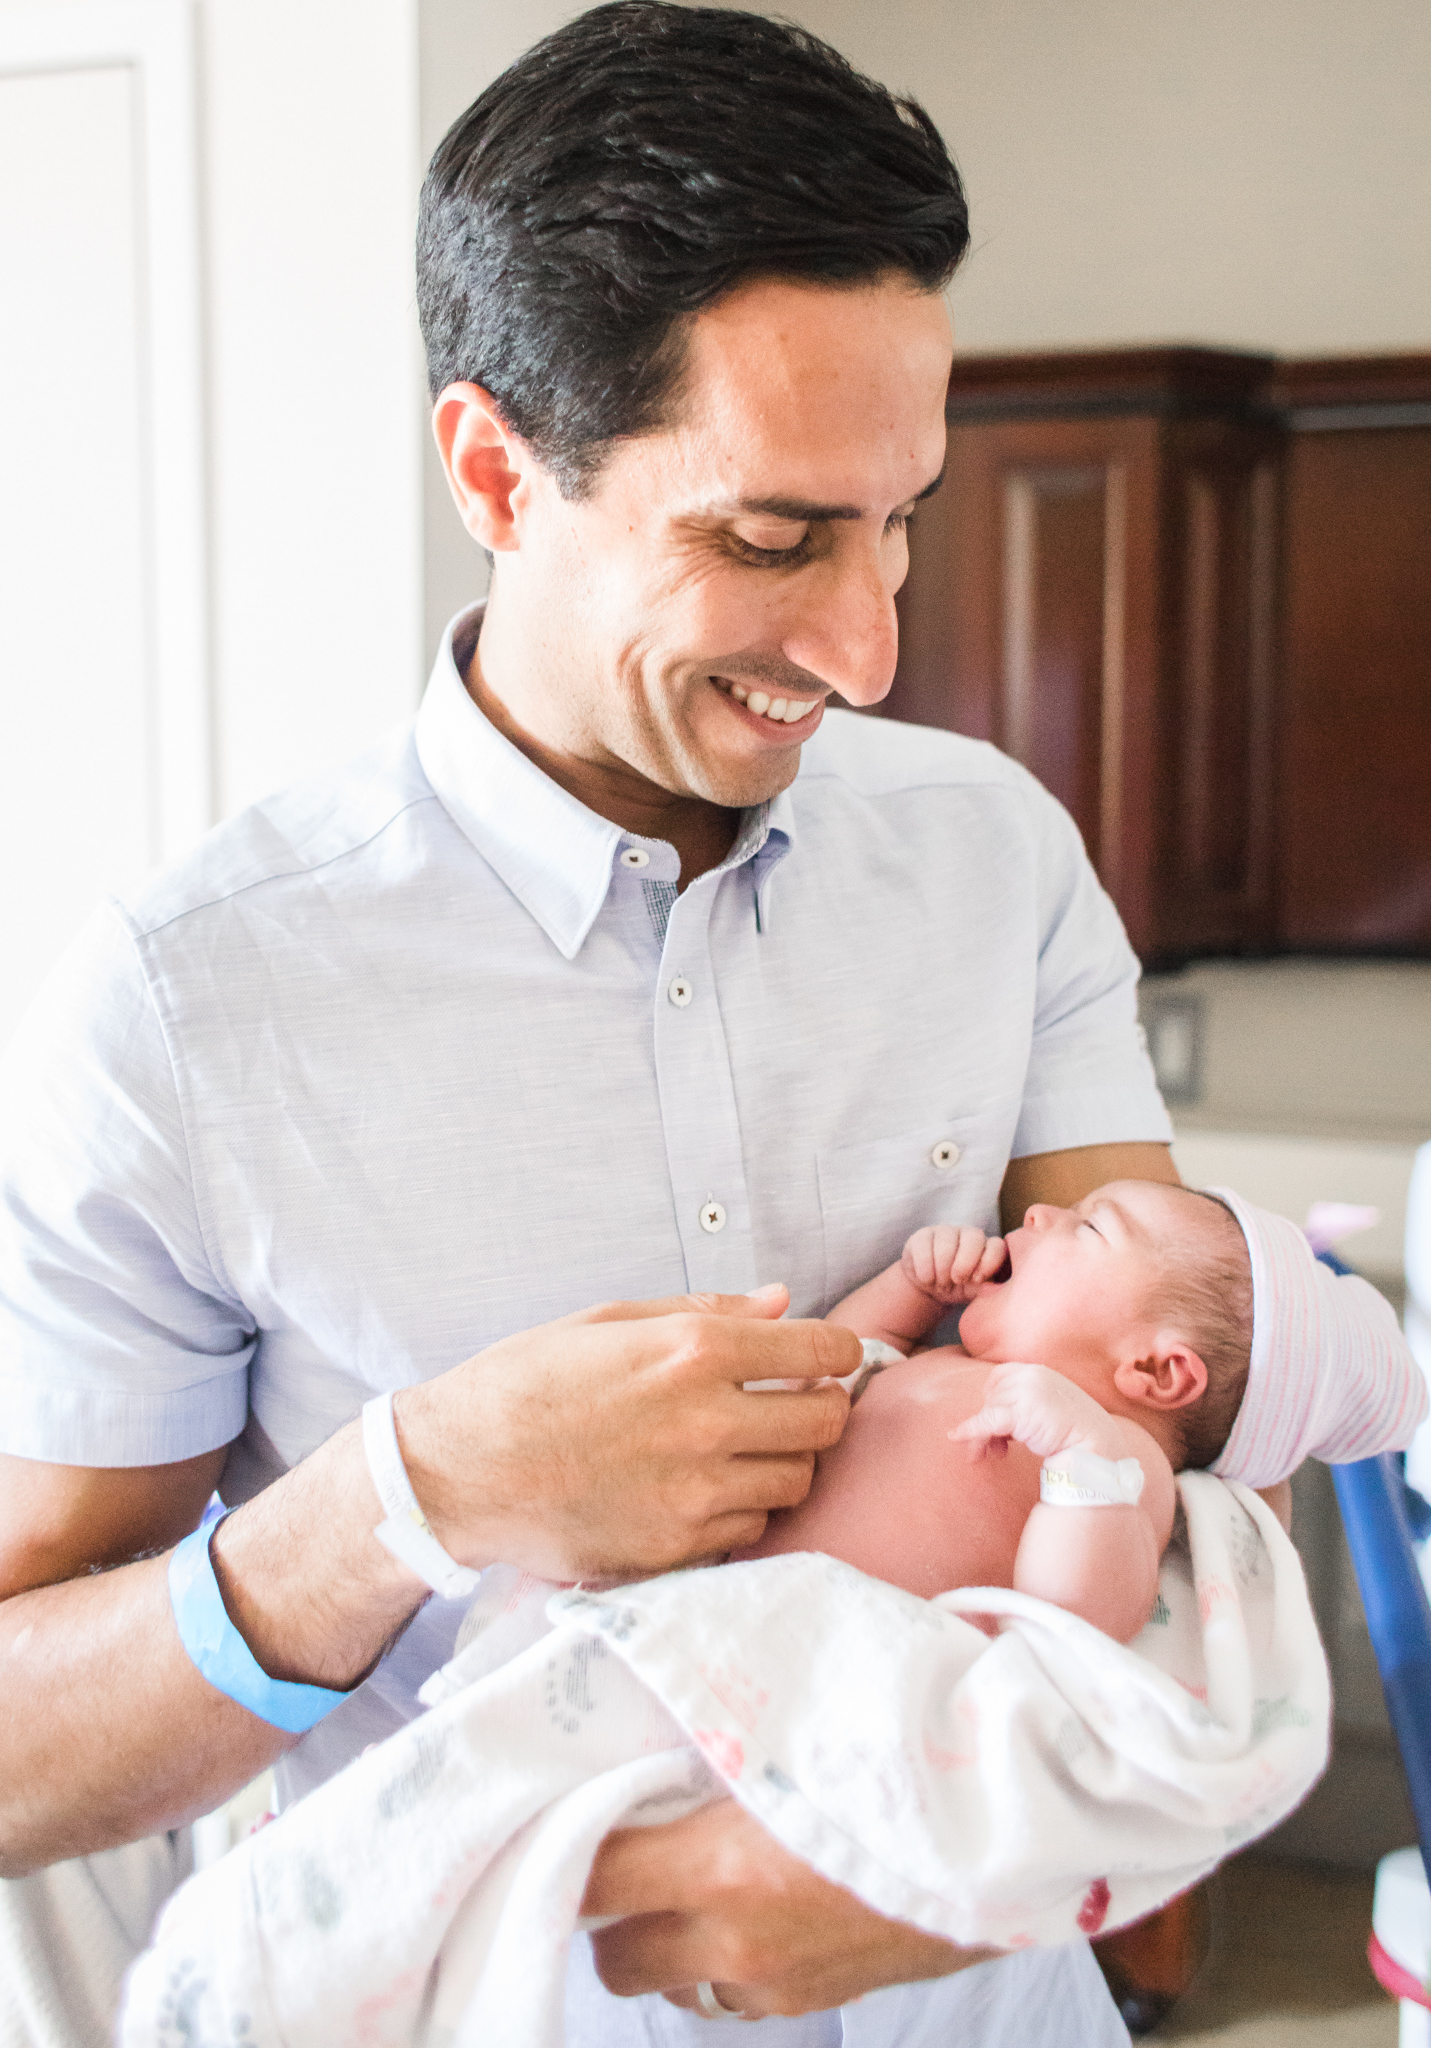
x: 784, y: 710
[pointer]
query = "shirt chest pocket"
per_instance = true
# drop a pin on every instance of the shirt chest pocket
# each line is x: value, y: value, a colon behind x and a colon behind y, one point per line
x: 873, y: 1195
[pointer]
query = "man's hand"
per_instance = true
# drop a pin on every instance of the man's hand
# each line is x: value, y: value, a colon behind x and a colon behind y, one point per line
x: 621, y: 1440
x: 618, y: 1440
x: 715, y: 1898
x: 948, y: 1260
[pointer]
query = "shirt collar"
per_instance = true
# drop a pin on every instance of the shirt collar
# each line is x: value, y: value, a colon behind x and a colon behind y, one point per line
x: 554, y: 854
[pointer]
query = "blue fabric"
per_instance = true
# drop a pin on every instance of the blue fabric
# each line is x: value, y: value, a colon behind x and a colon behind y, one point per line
x: 1371, y: 1496
x: 1379, y: 1515
x: 217, y: 1650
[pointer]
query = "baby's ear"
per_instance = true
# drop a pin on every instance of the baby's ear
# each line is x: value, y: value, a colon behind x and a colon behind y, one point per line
x: 1167, y: 1375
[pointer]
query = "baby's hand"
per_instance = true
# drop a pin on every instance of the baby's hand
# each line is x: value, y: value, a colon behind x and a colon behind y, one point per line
x: 1031, y: 1405
x: 948, y: 1260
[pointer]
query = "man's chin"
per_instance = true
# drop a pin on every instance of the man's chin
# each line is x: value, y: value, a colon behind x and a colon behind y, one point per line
x: 741, y: 786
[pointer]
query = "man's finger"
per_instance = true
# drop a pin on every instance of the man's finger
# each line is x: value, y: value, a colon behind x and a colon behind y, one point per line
x: 767, y: 1424
x: 635, y: 1872
x: 752, y: 1342
x: 800, y: 1349
x: 663, y: 1952
x: 754, y: 1485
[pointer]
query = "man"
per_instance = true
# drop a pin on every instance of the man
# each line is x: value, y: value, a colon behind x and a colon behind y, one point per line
x: 588, y: 985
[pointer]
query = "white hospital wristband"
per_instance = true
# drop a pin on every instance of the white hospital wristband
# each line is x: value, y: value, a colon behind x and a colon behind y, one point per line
x: 1081, y: 1479
x: 405, y: 1532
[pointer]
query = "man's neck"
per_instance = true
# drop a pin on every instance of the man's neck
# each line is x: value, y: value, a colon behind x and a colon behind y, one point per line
x: 701, y: 832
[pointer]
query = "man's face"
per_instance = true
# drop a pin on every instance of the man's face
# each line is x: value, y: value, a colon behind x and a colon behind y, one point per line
x: 746, y: 557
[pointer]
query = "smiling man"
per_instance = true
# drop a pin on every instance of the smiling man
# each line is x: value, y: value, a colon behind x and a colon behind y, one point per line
x: 633, y: 968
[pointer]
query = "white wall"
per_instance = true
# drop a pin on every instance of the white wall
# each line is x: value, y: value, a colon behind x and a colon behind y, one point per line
x: 310, y: 161
x: 462, y: 48
x: 1313, y: 1085
x: 1252, y: 172
x: 309, y: 126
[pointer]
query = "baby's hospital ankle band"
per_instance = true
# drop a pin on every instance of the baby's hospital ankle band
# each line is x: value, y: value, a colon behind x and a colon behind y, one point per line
x: 219, y: 1653
x: 405, y: 1533
x: 1081, y: 1479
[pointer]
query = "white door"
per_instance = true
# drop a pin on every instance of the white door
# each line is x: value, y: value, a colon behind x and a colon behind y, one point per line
x: 103, y: 728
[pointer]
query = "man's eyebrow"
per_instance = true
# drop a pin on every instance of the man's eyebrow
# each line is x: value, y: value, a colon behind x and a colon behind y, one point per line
x: 808, y: 510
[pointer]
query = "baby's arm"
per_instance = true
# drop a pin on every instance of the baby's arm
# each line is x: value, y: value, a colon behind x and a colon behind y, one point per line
x: 1098, y: 1562
x: 939, y: 1268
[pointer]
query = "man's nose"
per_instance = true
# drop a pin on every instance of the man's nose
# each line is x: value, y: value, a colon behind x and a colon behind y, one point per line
x: 846, y: 631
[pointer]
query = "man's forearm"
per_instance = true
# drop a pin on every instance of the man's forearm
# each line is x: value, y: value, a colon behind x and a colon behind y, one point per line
x: 108, y: 1732
x: 620, y: 1440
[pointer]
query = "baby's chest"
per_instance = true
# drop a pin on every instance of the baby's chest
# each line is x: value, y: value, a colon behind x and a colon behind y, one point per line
x: 910, y: 1504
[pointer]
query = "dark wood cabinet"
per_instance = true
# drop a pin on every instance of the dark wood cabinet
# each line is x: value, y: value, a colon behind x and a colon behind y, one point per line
x: 1127, y: 582
x: 1354, y: 734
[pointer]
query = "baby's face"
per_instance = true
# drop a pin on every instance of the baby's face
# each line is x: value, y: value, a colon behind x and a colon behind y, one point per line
x: 1082, y: 1288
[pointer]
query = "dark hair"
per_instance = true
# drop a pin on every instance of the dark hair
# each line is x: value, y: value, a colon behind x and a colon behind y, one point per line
x: 1213, y: 1302
x: 633, y: 168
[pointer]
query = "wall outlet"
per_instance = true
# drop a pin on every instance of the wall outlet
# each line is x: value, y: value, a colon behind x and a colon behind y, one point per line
x: 1173, y: 1026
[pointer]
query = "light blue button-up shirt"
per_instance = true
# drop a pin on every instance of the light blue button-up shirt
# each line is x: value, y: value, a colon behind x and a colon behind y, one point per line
x: 424, y: 1052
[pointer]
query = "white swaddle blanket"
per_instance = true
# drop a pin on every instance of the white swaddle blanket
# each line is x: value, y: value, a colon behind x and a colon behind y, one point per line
x: 1009, y: 1790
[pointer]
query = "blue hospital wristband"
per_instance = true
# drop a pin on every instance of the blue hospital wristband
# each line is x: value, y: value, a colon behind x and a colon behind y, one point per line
x: 217, y: 1650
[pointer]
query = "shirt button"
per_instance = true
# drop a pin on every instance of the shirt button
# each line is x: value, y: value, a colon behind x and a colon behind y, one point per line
x: 635, y: 857
x: 680, y: 992
x: 945, y: 1154
x: 712, y: 1217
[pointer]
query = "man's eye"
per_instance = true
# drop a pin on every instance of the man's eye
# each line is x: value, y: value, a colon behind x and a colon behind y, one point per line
x: 770, y: 558
x: 897, y: 522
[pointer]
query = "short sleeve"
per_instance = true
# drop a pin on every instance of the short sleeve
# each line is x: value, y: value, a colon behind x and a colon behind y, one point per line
x: 1089, y: 1081
x: 120, y: 1344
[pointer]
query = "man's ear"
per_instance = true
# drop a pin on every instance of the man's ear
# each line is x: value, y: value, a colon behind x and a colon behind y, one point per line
x: 486, y: 464
x: 1169, y: 1375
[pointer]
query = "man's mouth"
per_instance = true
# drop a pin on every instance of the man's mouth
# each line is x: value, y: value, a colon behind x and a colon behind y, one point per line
x: 762, y: 704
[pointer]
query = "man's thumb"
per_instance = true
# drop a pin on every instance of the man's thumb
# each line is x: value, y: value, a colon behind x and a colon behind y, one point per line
x: 767, y: 1303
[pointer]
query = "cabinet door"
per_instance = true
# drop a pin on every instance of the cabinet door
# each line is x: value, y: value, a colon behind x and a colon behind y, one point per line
x: 1098, y: 597
x: 1030, y: 618
x: 1213, y: 796
x: 1354, y: 842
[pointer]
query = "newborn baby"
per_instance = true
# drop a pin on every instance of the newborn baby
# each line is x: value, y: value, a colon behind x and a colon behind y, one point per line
x: 1169, y: 1329
x: 1146, y: 1307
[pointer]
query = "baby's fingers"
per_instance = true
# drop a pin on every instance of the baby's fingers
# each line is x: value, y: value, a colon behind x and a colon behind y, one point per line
x: 993, y: 1258
x: 949, y: 1246
x: 918, y: 1260
x: 988, y: 1431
